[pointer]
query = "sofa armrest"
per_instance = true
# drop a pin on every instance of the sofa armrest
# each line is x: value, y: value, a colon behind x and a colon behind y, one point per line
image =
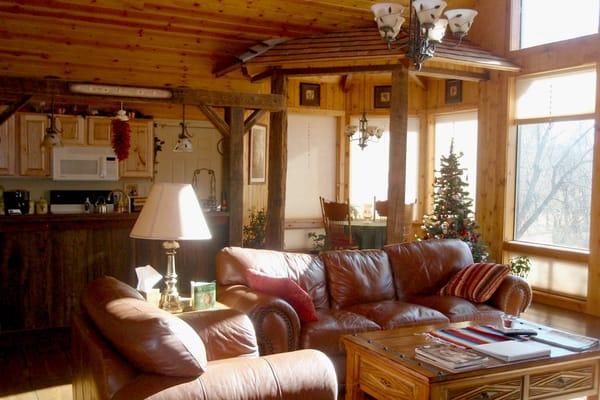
x: 225, y: 333
x: 300, y: 375
x: 276, y: 323
x: 513, y: 296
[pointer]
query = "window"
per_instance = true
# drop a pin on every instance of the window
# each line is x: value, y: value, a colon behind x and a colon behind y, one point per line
x: 369, y: 167
x: 554, y: 165
x: 543, y: 21
x: 460, y: 129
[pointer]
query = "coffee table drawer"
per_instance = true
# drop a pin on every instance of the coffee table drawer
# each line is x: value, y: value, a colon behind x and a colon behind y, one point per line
x: 573, y: 380
x: 482, y: 389
x: 386, y: 383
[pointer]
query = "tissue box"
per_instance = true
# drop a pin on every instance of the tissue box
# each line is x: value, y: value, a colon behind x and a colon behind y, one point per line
x: 204, y: 295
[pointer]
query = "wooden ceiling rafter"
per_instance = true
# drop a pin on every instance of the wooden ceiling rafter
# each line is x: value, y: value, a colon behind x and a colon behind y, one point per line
x: 14, y: 107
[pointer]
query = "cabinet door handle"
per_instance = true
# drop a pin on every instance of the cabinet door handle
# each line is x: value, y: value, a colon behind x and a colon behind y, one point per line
x: 484, y: 396
x: 385, y: 382
x: 562, y: 381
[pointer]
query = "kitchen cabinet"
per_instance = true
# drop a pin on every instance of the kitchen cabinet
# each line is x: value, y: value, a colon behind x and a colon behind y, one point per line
x: 73, y: 129
x: 35, y: 159
x: 8, y: 162
x: 140, y: 163
x: 99, y: 131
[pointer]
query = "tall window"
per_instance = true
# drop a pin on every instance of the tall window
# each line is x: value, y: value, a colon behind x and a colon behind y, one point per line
x: 555, y: 139
x: 544, y: 21
x: 369, y: 167
x: 460, y: 129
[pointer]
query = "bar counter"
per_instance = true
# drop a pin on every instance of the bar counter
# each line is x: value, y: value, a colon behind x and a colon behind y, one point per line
x: 47, y: 260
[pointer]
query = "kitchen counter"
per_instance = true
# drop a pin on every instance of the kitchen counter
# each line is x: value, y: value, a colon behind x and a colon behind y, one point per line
x: 46, y: 261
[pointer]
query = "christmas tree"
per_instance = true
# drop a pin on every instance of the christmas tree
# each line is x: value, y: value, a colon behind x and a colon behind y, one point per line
x: 452, y: 215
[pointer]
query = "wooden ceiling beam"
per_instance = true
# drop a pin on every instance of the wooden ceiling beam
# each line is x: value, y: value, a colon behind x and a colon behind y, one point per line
x: 253, y: 119
x: 13, y: 108
x: 219, y: 123
x: 327, y: 70
x: 26, y: 86
x: 415, y: 78
x: 442, y: 73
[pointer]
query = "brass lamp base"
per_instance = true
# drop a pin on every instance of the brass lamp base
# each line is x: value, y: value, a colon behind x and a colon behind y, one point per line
x: 169, y: 299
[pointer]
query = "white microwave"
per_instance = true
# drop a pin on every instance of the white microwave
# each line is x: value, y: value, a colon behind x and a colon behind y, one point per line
x: 84, y: 164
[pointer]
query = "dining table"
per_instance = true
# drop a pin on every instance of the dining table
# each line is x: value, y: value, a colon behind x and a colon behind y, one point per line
x: 369, y: 233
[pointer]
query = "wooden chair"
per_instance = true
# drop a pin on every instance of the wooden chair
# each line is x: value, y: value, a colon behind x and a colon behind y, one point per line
x: 381, y: 208
x: 338, y: 228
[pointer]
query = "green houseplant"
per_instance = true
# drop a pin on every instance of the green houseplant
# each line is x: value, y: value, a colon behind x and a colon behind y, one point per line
x: 254, y: 232
x: 318, y: 241
x: 520, y: 266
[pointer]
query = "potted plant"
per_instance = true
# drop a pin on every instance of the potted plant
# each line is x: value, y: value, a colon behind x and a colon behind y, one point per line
x: 254, y: 231
x: 318, y: 241
x: 520, y: 266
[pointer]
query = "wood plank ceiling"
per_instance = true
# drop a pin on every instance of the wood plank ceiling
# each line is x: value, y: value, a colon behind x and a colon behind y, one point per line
x: 172, y: 43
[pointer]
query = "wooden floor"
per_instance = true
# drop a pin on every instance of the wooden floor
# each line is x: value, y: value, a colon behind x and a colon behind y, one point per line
x: 38, y: 368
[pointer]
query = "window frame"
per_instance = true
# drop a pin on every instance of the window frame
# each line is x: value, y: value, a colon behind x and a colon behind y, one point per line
x: 516, y: 26
x: 537, y: 249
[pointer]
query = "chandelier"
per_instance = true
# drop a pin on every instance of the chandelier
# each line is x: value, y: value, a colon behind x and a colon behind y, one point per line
x: 363, y: 133
x: 53, y: 131
x: 184, y: 142
x: 426, y: 27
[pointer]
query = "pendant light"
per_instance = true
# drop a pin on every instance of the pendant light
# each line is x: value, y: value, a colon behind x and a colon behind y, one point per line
x: 364, y: 133
x: 184, y: 144
x: 53, y: 131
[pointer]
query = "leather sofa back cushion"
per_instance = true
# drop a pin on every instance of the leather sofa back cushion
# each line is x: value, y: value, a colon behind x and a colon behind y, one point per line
x: 151, y: 339
x: 358, y: 276
x: 423, y: 268
x: 305, y: 269
x: 286, y: 289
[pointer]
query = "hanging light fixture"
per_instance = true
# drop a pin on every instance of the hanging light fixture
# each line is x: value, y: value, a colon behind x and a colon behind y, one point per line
x: 426, y: 27
x: 184, y: 144
x: 363, y: 133
x: 53, y: 131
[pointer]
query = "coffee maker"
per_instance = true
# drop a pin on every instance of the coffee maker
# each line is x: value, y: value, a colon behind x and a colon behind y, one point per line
x: 16, y: 202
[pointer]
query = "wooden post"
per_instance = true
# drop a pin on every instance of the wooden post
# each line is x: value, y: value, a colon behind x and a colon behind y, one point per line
x: 397, y: 162
x: 277, y: 168
x: 236, y: 175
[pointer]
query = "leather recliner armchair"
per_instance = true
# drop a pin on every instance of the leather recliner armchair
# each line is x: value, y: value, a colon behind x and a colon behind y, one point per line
x: 117, y: 319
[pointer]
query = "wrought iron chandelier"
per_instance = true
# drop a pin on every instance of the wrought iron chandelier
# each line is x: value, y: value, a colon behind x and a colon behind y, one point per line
x: 184, y: 142
x: 363, y: 132
x: 53, y: 131
x: 426, y: 28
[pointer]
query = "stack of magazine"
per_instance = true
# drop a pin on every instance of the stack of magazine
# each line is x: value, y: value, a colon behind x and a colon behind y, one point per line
x: 450, y: 358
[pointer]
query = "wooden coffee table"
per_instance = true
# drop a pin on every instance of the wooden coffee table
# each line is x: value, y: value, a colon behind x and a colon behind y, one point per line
x: 382, y: 365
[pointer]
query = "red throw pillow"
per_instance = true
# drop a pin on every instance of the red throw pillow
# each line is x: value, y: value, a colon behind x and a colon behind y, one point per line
x: 285, y: 288
x: 477, y: 282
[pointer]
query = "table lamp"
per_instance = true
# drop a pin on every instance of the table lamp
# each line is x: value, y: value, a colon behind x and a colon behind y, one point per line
x: 171, y: 213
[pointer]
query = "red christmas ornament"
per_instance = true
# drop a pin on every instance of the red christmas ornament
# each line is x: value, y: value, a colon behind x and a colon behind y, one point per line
x: 121, y: 136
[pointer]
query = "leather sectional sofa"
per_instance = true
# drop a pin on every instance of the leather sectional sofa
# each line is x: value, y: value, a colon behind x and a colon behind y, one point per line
x: 125, y: 348
x: 357, y: 290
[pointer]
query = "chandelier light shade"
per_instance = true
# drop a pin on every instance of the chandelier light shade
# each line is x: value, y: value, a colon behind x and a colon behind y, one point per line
x: 184, y: 142
x: 363, y: 133
x: 460, y: 21
x: 389, y: 20
x: 426, y: 26
x: 53, y: 131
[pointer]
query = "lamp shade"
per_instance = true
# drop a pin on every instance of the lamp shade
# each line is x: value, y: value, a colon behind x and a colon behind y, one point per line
x: 171, y: 212
x: 389, y: 19
x: 429, y: 11
x: 460, y: 20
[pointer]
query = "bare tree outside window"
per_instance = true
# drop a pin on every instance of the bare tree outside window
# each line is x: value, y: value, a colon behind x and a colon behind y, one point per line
x: 554, y: 182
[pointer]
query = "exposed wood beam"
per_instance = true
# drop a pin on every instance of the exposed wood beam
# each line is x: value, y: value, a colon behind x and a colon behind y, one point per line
x: 442, y: 73
x: 327, y: 70
x: 413, y: 77
x: 346, y: 83
x: 236, y: 175
x: 270, y: 102
x: 277, y: 168
x: 252, y: 119
x: 13, y: 108
x: 397, y: 157
x: 216, y: 120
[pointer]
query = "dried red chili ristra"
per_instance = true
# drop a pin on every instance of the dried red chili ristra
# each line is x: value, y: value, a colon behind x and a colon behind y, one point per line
x: 121, y: 138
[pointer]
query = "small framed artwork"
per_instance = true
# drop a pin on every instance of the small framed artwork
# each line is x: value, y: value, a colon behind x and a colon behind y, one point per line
x: 258, y: 154
x: 310, y: 94
x: 382, y: 96
x: 453, y: 91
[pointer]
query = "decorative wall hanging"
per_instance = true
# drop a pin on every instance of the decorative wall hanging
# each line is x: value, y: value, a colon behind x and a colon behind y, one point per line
x: 310, y: 94
x: 453, y: 91
x: 258, y: 154
x: 121, y: 134
x: 382, y: 96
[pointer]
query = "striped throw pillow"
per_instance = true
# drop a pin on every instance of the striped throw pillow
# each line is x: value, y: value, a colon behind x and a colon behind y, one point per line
x: 477, y: 282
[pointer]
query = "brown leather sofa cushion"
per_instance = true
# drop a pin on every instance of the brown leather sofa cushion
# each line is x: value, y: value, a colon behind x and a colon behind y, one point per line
x: 391, y: 314
x: 457, y: 309
x: 423, y: 268
x: 305, y: 269
x: 325, y: 333
x: 153, y: 340
x: 358, y: 276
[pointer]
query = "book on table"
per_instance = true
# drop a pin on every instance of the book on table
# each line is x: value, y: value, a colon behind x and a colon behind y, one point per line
x: 513, y: 350
x: 449, y: 357
x: 569, y: 341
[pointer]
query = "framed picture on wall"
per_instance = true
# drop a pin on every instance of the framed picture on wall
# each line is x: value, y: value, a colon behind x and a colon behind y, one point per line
x: 310, y: 94
x: 453, y: 91
x: 382, y: 96
x: 258, y: 154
